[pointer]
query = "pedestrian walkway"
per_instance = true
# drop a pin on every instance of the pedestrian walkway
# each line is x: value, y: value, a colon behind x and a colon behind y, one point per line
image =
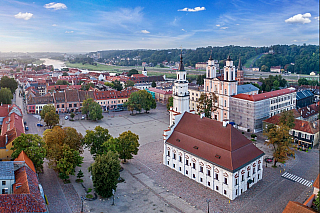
x: 297, y: 179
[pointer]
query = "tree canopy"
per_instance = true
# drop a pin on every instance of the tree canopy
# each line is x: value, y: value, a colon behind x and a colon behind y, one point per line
x: 9, y: 83
x: 5, y: 95
x: 272, y: 82
x: 95, y: 138
x: 153, y: 84
x: 132, y: 72
x: 117, y: 85
x: 140, y: 100
x: 55, y: 140
x: 51, y: 118
x: 170, y: 103
x: 279, y: 138
x: 129, y: 84
x: 200, y: 79
x: 62, y: 82
x: 304, y: 81
x: 46, y: 108
x: 207, y: 104
x: 91, y: 109
x: 105, y: 173
x: 33, y: 145
x: 125, y: 145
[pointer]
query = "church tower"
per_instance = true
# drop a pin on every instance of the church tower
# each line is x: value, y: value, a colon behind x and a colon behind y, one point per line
x: 240, y: 73
x: 144, y: 71
x: 180, y: 93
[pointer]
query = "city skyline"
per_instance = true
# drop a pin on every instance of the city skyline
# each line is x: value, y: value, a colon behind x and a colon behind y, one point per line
x: 83, y: 26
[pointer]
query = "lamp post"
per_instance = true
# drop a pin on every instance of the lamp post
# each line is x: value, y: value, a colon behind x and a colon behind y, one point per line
x: 113, y: 191
x: 208, y: 201
x: 82, y: 204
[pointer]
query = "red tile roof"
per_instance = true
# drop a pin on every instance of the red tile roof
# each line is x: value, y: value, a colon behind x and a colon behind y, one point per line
x: 26, y: 197
x: 24, y: 157
x: 316, y: 182
x: 262, y: 96
x: 300, y: 125
x: 310, y: 110
x: 296, y: 207
x: 212, y: 139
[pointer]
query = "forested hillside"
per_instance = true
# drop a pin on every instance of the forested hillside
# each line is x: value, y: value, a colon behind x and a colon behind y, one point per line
x: 301, y: 59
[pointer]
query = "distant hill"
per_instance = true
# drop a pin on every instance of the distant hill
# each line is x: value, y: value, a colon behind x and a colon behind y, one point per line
x: 294, y: 58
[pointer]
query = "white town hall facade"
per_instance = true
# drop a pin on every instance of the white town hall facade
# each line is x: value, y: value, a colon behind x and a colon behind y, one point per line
x: 211, y: 152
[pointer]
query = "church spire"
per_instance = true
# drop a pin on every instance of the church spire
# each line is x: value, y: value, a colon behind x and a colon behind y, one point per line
x: 228, y: 59
x: 181, y: 67
x: 211, y: 56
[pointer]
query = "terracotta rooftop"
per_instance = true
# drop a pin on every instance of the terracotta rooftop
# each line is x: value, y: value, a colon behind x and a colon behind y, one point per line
x: 300, y: 125
x: 310, y: 110
x: 262, y: 96
x: 212, y: 139
x: 160, y: 91
x: 24, y: 157
x: 296, y: 207
x: 316, y: 182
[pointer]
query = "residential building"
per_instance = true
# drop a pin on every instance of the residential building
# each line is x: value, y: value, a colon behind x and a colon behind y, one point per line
x: 36, y: 104
x: 141, y: 86
x: 160, y: 95
x: 6, y: 177
x: 305, y: 133
x: 248, y: 111
x: 212, y: 153
x: 304, y: 98
x: 309, y: 113
x: 24, y: 194
x: 195, y: 93
x: 73, y: 100
x: 275, y: 69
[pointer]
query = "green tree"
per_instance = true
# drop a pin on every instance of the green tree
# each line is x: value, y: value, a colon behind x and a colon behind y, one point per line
x: 46, y: 108
x: 62, y: 82
x: 105, y: 173
x: 126, y: 145
x: 303, y: 81
x: 161, y: 66
x: 140, y: 100
x: 65, y: 74
x: 153, y: 84
x: 264, y: 68
x: 86, y: 106
x: 109, y: 84
x: 279, y: 138
x: 55, y: 140
x: 207, y: 104
x: 69, y: 160
x: 276, y: 84
x: 9, y: 83
x: 117, y: 85
x: 80, y: 174
x: 170, y: 103
x: 132, y: 72
x: 51, y: 118
x: 287, y: 119
x: 95, y: 112
x: 5, y: 96
x: 129, y: 84
x: 72, y: 115
x: 33, y: 145
x: 87, y: 86
x: 200, y: 79
x: 95, y: 138
x: 317, y: 202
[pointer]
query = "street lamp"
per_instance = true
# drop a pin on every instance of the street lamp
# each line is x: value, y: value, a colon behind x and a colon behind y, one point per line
x: 82, y: 198
x: 113, y: 191
x: 208, y: 201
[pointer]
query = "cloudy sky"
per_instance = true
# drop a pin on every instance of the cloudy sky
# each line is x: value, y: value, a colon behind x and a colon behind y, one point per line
x: 91, y: 25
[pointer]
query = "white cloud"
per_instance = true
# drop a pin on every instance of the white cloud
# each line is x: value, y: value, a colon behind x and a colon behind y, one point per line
x: 295, y: 40
x: 237, y: 24
x: 196, y: 9
x: 317, y: 18
x: 25, y: 16
x: 145, y: 31
x: 184, y: 30
x: 299, y: 18
x: 54, y: 25
x: 69, y: 32
x: 55, y: 6
x: 218, y: 25
x: 223, y: 28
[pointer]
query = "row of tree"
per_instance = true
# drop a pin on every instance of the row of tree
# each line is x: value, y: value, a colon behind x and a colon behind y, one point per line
x: 140, y: 100
x: 304, y: 81
x: 272, y: 83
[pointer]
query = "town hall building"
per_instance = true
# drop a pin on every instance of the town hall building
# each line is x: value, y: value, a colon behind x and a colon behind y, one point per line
x: 211, y: 152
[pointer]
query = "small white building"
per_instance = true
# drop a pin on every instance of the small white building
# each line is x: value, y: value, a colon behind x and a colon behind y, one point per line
x: 213, y: 154
x: 6, y: 177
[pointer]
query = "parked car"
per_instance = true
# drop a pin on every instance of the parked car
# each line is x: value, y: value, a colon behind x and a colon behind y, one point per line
x: 66, y: 118
x: 83, y: 117
x: 25, y: 123
x: 26, y: 128
x: 269, y: 160
x: 39, y: 124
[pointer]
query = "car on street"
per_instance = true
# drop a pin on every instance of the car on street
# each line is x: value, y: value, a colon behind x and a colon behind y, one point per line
x: 39, y: 124
x: 83, y: 117
x: 269, y: 160
x: 66, y: 118
x: 26, y: 128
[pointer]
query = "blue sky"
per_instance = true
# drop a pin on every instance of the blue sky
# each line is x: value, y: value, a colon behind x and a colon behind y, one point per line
x: 83, y: 25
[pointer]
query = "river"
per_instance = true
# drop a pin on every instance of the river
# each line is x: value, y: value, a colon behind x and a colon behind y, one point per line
x: 56, y: 63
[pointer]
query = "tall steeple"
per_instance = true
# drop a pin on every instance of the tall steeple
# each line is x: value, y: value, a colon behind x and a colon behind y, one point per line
x: 181, y: 67
x: 210, y: 69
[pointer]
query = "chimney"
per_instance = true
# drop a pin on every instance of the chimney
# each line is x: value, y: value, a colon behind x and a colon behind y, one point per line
x: 225, y: 123
x: 202, y: 115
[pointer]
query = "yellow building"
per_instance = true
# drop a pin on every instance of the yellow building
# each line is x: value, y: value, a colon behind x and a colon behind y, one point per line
x: 195, y: 93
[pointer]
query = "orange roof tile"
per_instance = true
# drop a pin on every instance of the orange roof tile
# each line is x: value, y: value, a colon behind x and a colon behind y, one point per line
x: 265, y: 95
x: 296, y: 207
x: 24, y: 157
x: 316, y: 182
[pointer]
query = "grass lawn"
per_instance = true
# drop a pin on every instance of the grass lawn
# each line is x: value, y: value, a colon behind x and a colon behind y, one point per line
x: 249, y: 61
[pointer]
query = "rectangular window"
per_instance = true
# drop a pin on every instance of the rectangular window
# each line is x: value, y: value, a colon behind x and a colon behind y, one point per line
x: 217, y: 187
x: 226, y: 181
x: 194, y: 165
x: 168, y: 154
x: 5, y: 191
x: 201, y: 180
x: 242, y: 178
x: 168, y: 162
x: 174, y: 156
x: 236, y: 191
x: 225, y: 192
x: 174, y: 165
x: 252, y: 180
x: 70, y: 105
x: 58, y: 106
x: 180, y: 168
x: 296, y: 134
x: 187, y: 162
x: 194, y: 176
x: 302, y: 135
x: 254, y: 170
x: 258, y: 176
x: 258, y: 167
x: 236, y: 181
x: 201, y: 169
x: 186, y: 171
x: 209, y: 172
x: 62, y: 105
x: 3, y: 183
x: 74, y: 105
x: 209, y: 183
x: 307, y: 136
x: 217, y: 177
x: 180, y: 159
x: 248, y: 174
